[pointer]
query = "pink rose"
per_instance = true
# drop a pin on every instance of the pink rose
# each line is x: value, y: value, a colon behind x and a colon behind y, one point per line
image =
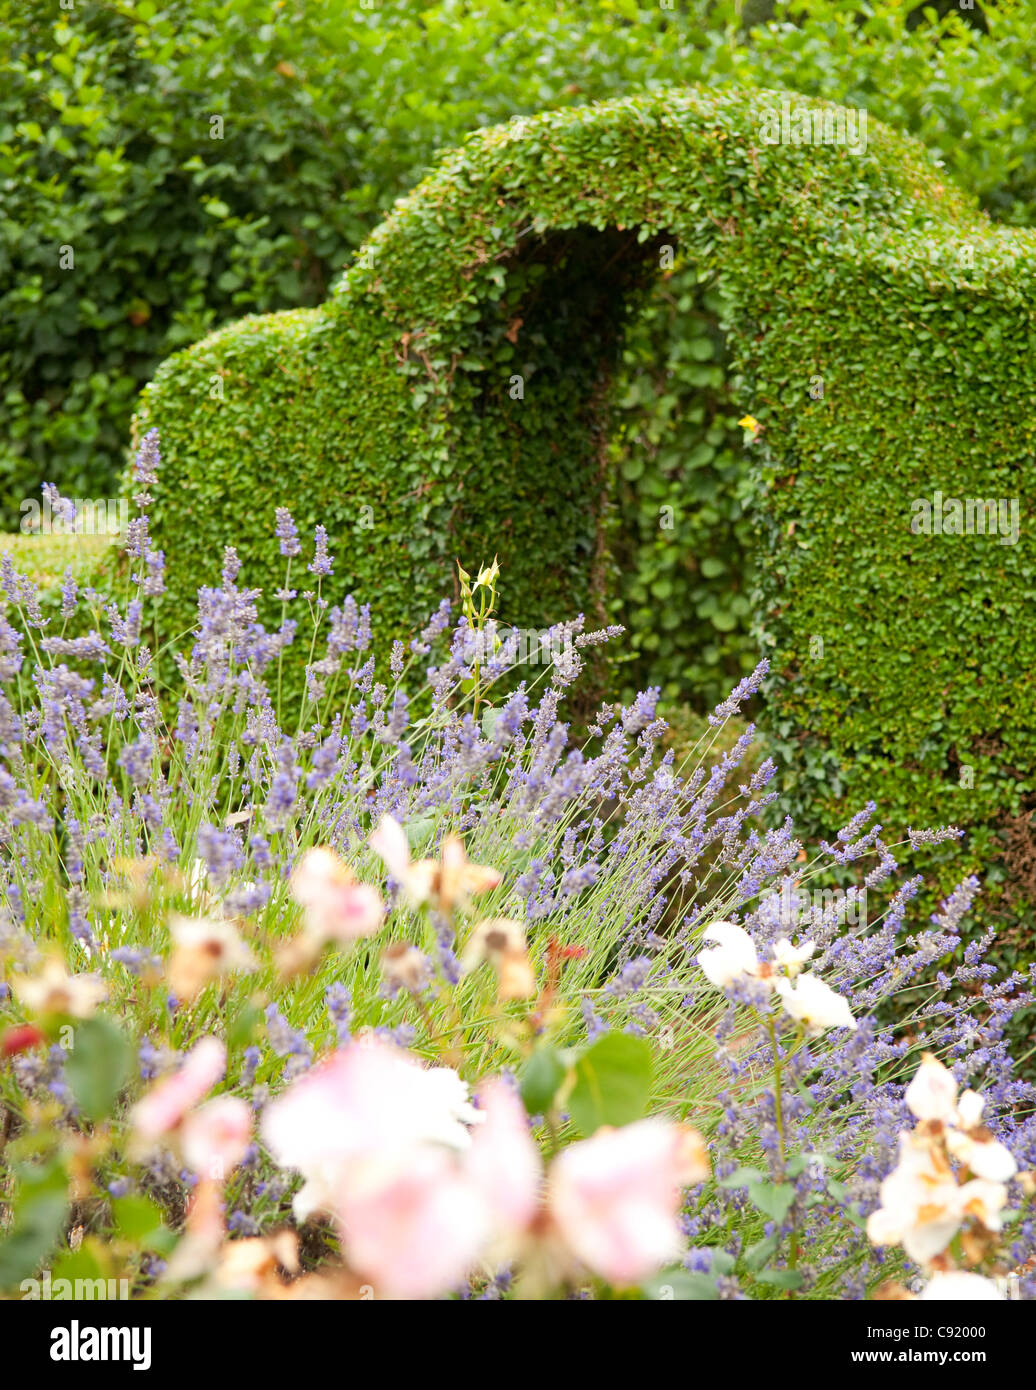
x: 215, y: 1137
x: 369, y: 1100
x: 615, y: 1198
x: 415, y: 1230
x: 166, y: 1104
x: 337, y: 907
x: 504, y: 1162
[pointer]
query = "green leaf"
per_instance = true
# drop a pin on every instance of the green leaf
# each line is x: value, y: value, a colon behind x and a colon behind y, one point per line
x: 757, y: 1255
x: 797, y: 1164
x: 418, y: 830
x: 613, y: 1082
x: 773, y: 1199
x: 741, y: 1177
x: 98, y: 1066
x: 139, y: 1219
x: 90, y: 1261
x: 39, y: 1221
x: 781, y: 1278
x: 243, y: 1024
x: 540, y: 1078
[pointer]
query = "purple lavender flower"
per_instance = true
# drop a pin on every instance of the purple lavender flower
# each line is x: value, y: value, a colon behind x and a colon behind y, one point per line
x: 435, y: 627
x: 741, y: 692
x: 221, y: 851
x: 339, y: 1005
x: 322, y: 563
x: 69, y: 594
x: 136, y: 759
x: 152, y: 578
x: 137, y: 960
x: 287, y: 533
x: 288, y: 1042
x: 61, y: 507
x: 253, y: 1056
x: 147, y: 460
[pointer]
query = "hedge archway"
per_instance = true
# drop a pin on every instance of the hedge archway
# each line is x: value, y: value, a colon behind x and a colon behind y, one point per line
x: 392, y: 415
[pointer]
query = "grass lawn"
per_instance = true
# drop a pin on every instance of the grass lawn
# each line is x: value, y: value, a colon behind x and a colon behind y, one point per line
x: 44, y: 558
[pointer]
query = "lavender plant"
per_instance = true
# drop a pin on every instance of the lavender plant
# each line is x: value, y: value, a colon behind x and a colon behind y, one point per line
x: 348, y: 916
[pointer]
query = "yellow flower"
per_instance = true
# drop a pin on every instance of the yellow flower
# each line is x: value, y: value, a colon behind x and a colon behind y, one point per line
x: 488, y: 574
x: 749, y: 422
x: 55, y: 991
x: 204, y: 948
x: 501, y: 941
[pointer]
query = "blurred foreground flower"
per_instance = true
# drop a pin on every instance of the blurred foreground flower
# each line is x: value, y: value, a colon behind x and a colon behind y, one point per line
x: 366, y: 1106
x: 616, y: 1197
x: 924, y: 1202
x: 20, y: 1039
x: 384, y: 1147
x: 55, y: 991
x: 958, y: 1285
x: 215, y: 1137
x: 204, y: 948
x: 447, y: 882
x: 405, y: 967
x: 814, y: 1004
x: 501, y: 942
x: 732, y: 957
x: 932, y: 1097
x: 336, y: 907
x: 805, y: 997
x: 165, y: 1106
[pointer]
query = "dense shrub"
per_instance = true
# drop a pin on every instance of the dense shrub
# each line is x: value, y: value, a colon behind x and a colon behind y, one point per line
x: 966, y: 95
x: 330, y: 111
x: 106, y: 146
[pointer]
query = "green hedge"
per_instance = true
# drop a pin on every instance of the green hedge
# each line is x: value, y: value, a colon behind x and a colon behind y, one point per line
x: 969, y: 98
x: 331, y: 110
x: 897, y: 657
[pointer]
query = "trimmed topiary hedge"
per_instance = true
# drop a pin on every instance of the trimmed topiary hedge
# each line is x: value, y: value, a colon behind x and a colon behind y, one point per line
x: 451, y: 399
x: 328, y: 111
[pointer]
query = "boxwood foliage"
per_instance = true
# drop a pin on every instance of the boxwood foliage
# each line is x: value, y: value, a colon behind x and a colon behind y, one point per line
x: 451, y: 399
x: 329, y: 110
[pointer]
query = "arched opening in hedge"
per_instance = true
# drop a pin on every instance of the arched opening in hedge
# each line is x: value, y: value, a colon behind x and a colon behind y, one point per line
x: 622, y: 523
x: 541, y: 365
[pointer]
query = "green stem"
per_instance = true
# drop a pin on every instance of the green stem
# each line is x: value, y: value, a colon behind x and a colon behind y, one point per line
x: 778, y: 1072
